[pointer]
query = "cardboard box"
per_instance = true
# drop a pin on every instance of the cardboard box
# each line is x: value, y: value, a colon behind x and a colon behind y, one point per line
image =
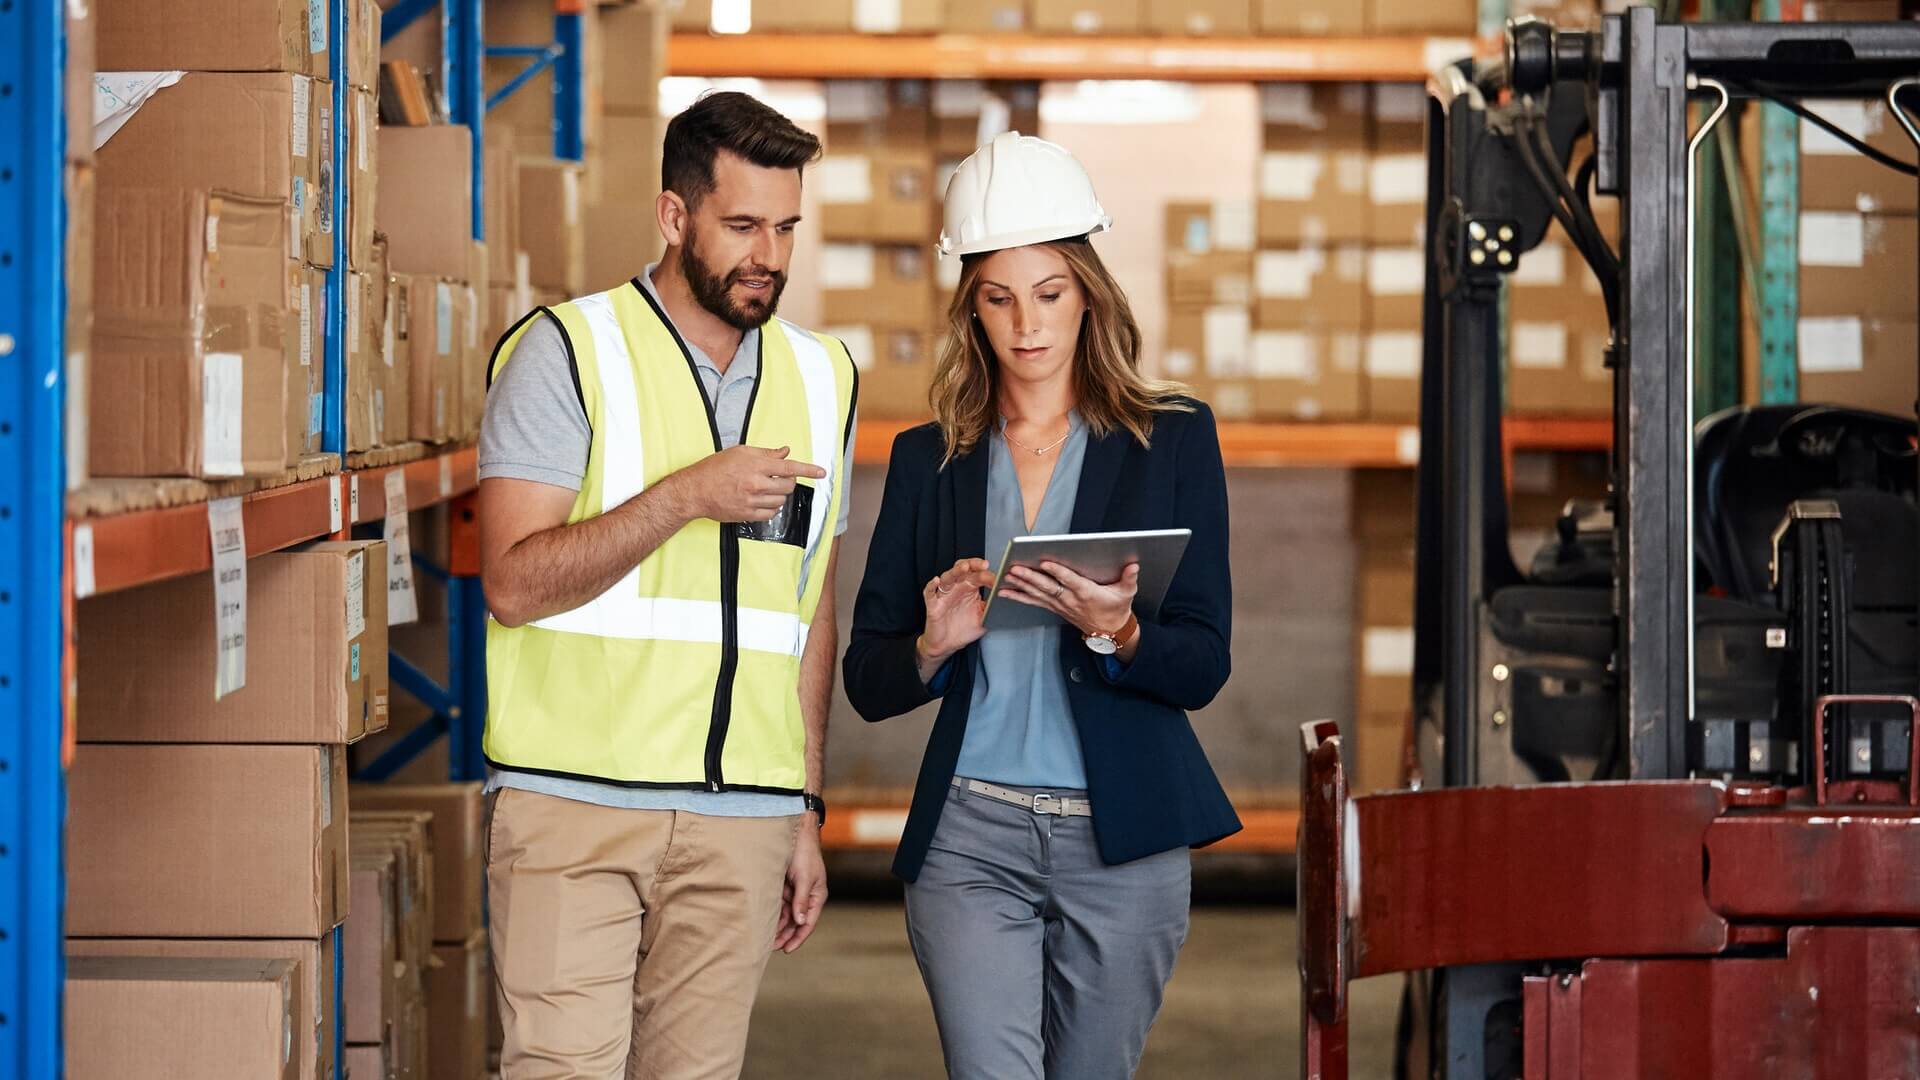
x: 1311, y: 287
x: 363, y: 45
x: 1866, y: 362
x: 1209, y: 252
x: 196, y: 336
x: 363, y: 176
x: 313, y: 983
x: 364, y: 1062
x: 429, y: 331
x: 1089, y: 16
x: 1314, y: 163
x: 222, y: 35
x: 223, y: 132
x: 1396, y: 286
x: 459, y: 852
x: 457, y: 992
x: 1391, y: 360
x: 1214, y: 341
x: 1307, y: 375
x: 635, y: 37
x: 1383, y: 652
x: 1397, y: 172
x: 880, y: 194
x: 316, y: 654
x: 896, y: 368
x: 206, y: 841
x: 397, y: 349
x: 623, y: 165
x: 885, y: 284
x: 550, y: 225
x: 1557, y: 369
x: 1422, y: 17
x: 1833, y: 176
x: 409, y: 834
x: 986, y: 16
x: 425, y: 194
x: 366, y: 367
x: 1858, y: 264
x: 310, y: 311
x: 1292, y: 17
x: 1201, y: 18
x: 153, y: 1016
x: 878, y: 112
x: 502, y: 196
x: 373, y: 954
x: 77, y: 87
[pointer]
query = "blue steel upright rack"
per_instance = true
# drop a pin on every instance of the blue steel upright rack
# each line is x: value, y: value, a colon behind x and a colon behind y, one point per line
x: 33, y: 220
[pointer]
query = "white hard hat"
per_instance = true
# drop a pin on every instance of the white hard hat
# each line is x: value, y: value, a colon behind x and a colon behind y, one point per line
x: 1018, y: 190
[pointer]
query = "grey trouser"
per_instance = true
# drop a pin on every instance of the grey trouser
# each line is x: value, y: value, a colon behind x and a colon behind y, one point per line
x: 1041, y: 960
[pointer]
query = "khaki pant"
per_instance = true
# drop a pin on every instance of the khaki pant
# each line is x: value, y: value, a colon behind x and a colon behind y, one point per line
x: 629, y: 942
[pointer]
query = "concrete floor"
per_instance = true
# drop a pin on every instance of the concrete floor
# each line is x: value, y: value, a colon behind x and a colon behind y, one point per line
x: 850, y: 1005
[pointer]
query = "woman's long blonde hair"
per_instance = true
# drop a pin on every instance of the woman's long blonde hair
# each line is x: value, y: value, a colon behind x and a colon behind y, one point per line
x: 1109, y: 391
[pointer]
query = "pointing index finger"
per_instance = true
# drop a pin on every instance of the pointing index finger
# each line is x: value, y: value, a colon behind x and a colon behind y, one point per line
x: 797, y: 468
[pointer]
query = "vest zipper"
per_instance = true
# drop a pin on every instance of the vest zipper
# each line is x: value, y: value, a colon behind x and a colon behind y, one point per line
x: 729, y: 655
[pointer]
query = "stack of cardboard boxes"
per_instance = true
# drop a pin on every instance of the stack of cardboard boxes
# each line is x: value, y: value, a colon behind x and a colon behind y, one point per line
x: 1174, y: 18
x: 1858, y: 250
x: 388, y: 943
x: 1557, y: 331
x: 1383, y: 532
x: 204, y: 828
x: 1209, y: 290
x: 459, y: 978
x: 890, y: 146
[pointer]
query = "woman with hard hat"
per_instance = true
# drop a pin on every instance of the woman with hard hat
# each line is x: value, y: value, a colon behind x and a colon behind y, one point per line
x: 1046, y: 852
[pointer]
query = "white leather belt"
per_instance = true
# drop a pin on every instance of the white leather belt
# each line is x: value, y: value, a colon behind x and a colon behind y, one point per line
x: 1039, y: 804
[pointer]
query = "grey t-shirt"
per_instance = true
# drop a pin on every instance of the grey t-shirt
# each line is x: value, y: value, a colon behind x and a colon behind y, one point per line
x: 535, y: 429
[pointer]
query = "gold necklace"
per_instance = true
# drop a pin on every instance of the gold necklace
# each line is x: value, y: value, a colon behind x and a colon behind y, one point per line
x: 1005, y: 430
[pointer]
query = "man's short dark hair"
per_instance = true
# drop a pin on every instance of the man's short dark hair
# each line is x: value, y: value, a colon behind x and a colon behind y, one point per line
x: 737, y: 123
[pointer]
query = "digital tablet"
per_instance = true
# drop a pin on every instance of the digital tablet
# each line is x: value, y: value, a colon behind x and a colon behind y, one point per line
x: 1099, y: 556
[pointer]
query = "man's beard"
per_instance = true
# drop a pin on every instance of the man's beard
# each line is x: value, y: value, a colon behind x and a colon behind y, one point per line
x: 715, y: 292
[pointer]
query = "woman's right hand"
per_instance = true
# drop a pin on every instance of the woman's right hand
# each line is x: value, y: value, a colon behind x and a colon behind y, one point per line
x: 954, y: 613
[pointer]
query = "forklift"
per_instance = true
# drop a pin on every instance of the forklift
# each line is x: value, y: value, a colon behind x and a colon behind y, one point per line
x: 1661, y: 810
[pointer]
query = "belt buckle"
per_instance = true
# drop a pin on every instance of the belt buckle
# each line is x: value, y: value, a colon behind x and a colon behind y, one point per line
x: 1040, y: 805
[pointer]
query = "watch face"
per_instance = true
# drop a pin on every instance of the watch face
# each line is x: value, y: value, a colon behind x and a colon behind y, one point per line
x: 1102, y: 645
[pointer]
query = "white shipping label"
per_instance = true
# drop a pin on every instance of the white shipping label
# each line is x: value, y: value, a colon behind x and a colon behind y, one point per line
x: 1284, y: 354
x: 220, y: 412
x: 302, y: 109
x: 1539, y: 346
x: 1395, y: 179
x: 402, y: 605
x: 117, y: 95
x: 1290, y: 176
x: 213, y: 234
x: 958, y: 98
x: 443, y: 318
x: 324, y: 774
x: 845, y: 178
x: 83, y: 580
x: 473, y: 318
x: 228, y: 535
x: 336, y: 513
x: 353, y: 317
x: 353, y: 499
x: 306, y: 324
x: 1848, y: 116
x: 1386, y: 650
x: 1227, y: 332
x: 446, y: 475
x: 363, y: 130
x: 1833, y: 239
x: 855, y: 101
x: 316, y: 26
x: 1233, y: 225
x: 570, y: 196
x: 1400, y: 103
x: 1393, y: 354
x: 1396, y: 271
x: 1287, y: 275
x: 1406, y: 445
x: 296, y: 212
x: 1290, y: 104
x: 1544, y: 267
x: 356, y: 594
x: 1832, y: 345
x: 848, y: 266
x: 386, y: 341
x: 876, y: 16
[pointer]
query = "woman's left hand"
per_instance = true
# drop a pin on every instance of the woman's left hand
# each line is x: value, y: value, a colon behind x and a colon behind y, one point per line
x: 1083, y: 602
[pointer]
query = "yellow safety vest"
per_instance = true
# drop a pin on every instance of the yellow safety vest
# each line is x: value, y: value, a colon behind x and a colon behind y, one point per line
x: 684, y: 674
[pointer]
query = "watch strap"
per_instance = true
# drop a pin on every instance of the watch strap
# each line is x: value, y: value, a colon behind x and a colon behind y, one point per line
x: 816, y: 804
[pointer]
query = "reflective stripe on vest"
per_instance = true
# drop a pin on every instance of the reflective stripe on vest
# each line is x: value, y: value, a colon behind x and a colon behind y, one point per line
x: 684, y: 672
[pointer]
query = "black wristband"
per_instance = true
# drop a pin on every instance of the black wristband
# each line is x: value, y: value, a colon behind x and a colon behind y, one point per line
x: 816, y: 804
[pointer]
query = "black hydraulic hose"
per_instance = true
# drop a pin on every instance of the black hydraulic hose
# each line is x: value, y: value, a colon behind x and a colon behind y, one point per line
x: 1600, y: 256
x: 1601, y: 264
x: 1831, y: 128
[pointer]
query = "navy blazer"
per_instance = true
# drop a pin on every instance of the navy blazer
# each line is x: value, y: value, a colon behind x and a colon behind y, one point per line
x: 1149, y: 781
